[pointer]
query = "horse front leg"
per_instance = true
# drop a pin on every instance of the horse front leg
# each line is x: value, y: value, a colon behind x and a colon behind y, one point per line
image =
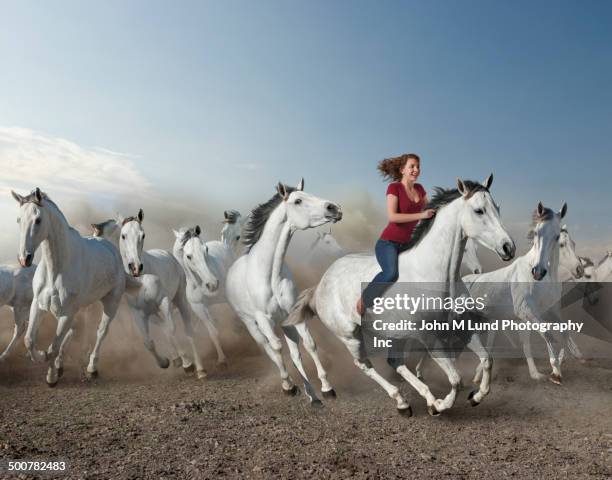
x: 486, y: 367
x: 110, y: 305
x: 32, y: 333
x: 183, y: 307
x: 64, y: 324
x: 203, y: 314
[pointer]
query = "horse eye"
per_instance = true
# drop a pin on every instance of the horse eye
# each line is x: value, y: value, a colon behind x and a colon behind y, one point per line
x: 238, y: 237
x: 143, y: 236
x: 188, y: 257
x: 123, y: 236
x: 479, y: 211
x: 37, y: 221
x: 18, y: 220
x: 298, y: 201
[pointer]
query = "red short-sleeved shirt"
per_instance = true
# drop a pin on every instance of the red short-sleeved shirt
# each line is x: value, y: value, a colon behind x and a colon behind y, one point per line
x: 401, y: 232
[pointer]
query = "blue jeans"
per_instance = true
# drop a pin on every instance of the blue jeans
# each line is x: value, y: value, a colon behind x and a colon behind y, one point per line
x: 387, y: 252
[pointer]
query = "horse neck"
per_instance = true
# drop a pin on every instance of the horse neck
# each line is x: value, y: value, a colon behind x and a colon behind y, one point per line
x: 442, y: 246
x: 553, y: 261
x: 54, y: 248
x: 272, y: 246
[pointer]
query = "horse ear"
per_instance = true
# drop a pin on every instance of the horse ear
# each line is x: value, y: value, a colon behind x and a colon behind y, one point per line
x: 225, y: 216
x: 198, y: 230
x: 17, y: 197
x: 540, y: 209
x: 97, y: 231
x: 563, y: 210
x: 280, y: 188
x: 462, y: 188
x: 488, y: 181
x: 300, y: 186
x: 38, y: 195
x: 177, y: 234
x: 564, y: 227
x: 140, y: 215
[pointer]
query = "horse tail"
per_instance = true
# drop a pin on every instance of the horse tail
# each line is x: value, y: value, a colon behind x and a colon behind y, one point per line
x: 304, y: 309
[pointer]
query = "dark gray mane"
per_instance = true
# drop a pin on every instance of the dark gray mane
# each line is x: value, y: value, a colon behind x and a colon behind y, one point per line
x: 188, y: 235
x: 548, y: 214
x: 259, y: 216
x: 441, y: 197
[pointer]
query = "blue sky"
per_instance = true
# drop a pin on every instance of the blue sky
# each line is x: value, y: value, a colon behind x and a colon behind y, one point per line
x: 225, y: 98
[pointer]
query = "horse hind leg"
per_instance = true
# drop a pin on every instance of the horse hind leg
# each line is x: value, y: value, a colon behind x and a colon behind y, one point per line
x: 309, y: 344
x: 355, y: 346
x: 143, y: 324
x: 293, y: 341
x: 21, y: 316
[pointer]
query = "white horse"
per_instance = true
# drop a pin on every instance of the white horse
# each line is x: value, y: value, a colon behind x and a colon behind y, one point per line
x: 172, y: 277
x: 206, y: 266
x: 73, y: 272
x: 325, y: 245
x: 259, y: 285
x: 530, y: 286
x: 149, y: 298
x: 435, y: 257
x: 16, y: 292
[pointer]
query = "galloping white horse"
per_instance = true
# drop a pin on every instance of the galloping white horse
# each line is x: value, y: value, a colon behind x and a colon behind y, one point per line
x: 73, y: 272
x: 149, y: 298
x: 437, y: 249
x: 171, y: 275
x: 530, y: 286
x: 16, y: 292
x: 206, y: 266
x: 259, y: 285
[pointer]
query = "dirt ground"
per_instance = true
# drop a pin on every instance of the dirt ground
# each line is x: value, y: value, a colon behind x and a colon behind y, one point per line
x: 137, y: 421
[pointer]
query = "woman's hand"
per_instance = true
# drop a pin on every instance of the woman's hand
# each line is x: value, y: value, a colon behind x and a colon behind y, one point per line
x: 427, y: 213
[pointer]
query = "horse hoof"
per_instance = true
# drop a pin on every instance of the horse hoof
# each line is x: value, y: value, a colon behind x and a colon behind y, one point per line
x: 433, y: 411
x: 177, y: 362
x: 165, y: 364
x: 201, y: 374
x: 60, y: 372
x: 91, y: 375
x: 406, y: 412
x: 292, y: 392
x: 329, y: 394
x: 51, y: 384
x: 189, y: 369
x: 554, y: 378
x: 316, y: 403
x: 420, y: 377
x: 222, y: 364
x: 470, y: 398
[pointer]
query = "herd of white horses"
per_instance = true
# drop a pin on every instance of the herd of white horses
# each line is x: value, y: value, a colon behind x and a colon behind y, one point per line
x: 74, y: 271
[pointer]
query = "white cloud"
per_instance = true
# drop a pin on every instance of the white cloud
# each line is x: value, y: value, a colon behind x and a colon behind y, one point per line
x: 31, y: 159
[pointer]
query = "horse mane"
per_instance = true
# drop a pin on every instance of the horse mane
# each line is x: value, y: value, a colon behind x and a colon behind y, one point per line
x: 187, y: 234
x: 31, y: 198
x: 231, y: 216
x: 258, y: 217
x: 441, y: 198
x: 548, y: 214
x: 587, y: 261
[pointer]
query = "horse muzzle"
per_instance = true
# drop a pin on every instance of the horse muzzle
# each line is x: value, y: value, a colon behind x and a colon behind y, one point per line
x: 26, y: 261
